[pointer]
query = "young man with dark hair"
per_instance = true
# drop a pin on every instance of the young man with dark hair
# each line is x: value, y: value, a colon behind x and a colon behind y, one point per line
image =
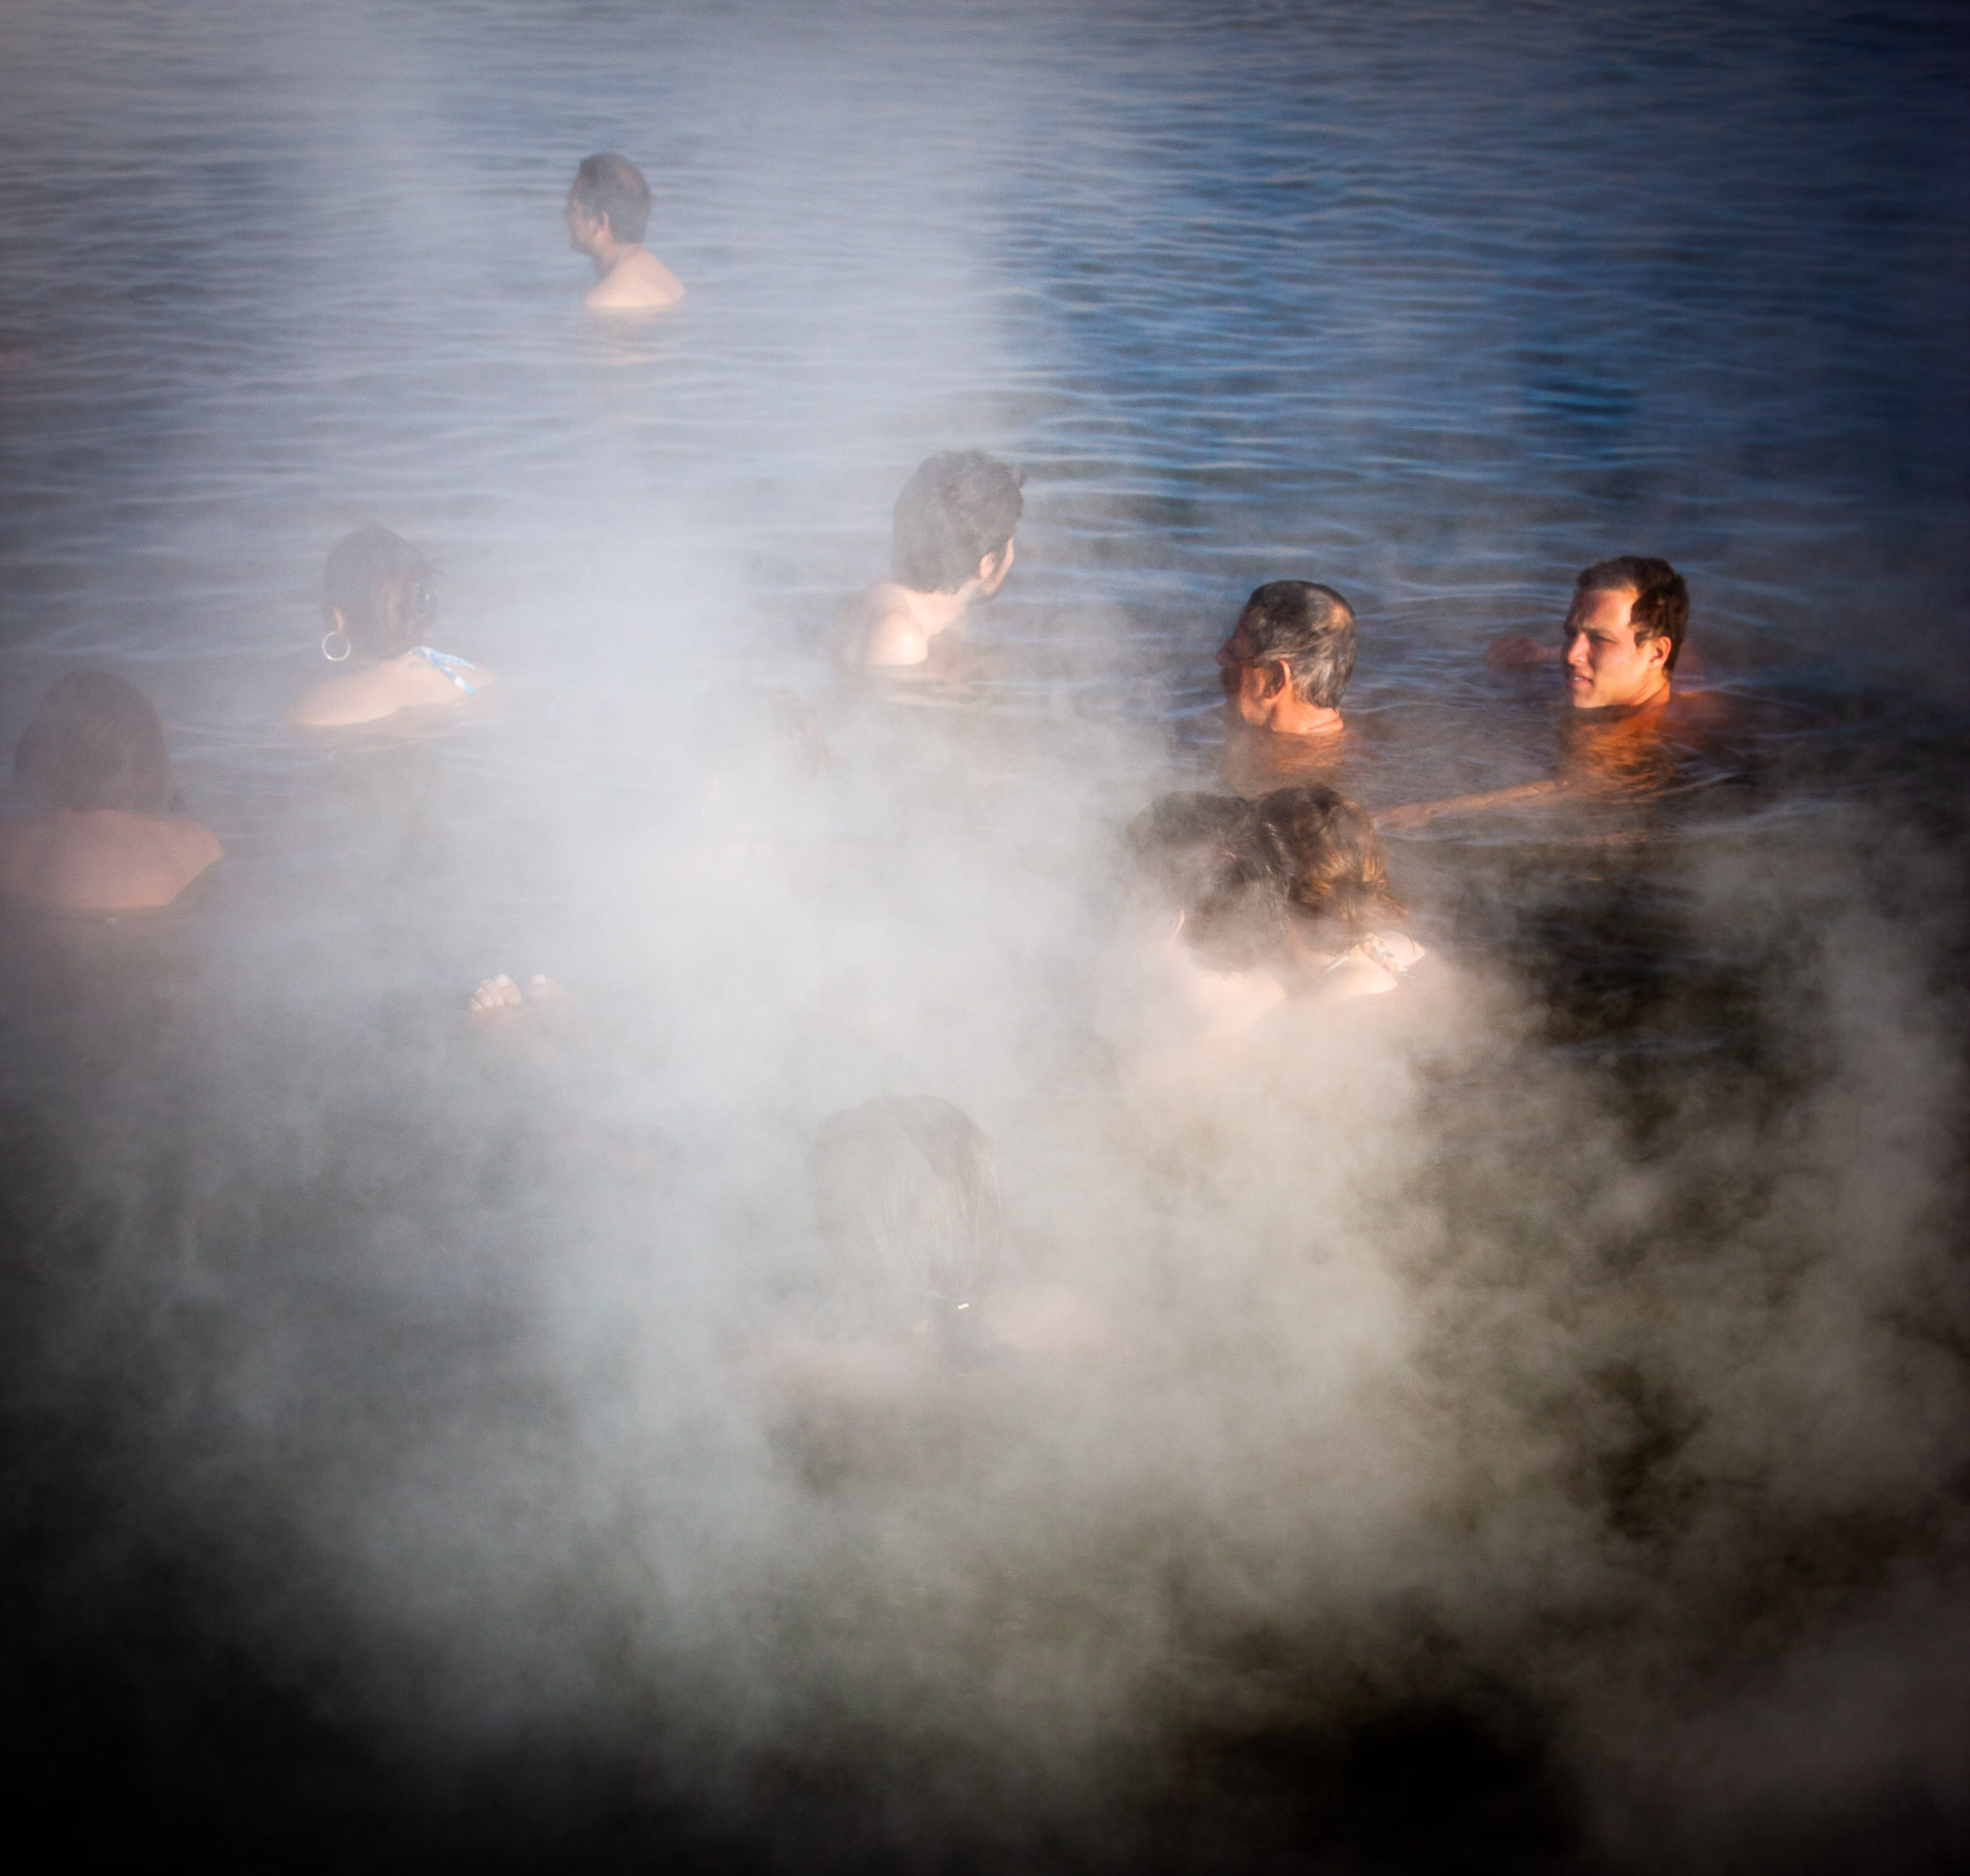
x: 951, y: 546
x: 1623, y: 636
x: 608, y: 209
x: 1624, y: 633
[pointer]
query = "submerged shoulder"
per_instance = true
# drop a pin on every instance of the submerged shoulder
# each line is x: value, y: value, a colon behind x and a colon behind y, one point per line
x: 638, y: 283
x: 336, y: 702
x: 368, y: 697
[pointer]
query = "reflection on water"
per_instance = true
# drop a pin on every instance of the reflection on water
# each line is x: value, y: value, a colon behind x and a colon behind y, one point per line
x: 411, y: 1350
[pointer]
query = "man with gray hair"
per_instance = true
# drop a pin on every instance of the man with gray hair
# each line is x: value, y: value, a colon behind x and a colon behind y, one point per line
x: 1289, y: 658
x: 608, y: 210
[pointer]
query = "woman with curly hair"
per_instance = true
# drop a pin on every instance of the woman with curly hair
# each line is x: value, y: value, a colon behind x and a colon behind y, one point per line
x: 1261, y: 902
x: 1339, y: 919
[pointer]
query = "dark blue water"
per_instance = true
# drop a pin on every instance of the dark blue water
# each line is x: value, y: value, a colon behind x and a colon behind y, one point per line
x: 1435, y: 303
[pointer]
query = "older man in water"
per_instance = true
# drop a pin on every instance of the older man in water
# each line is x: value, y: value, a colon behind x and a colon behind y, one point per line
x: 608, y: 210
x: 1286, y: 668
x: 951, y: 546
x: 1618, y: 653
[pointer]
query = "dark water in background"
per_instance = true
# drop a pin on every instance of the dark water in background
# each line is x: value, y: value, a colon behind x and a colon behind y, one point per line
x: 1435, y: 303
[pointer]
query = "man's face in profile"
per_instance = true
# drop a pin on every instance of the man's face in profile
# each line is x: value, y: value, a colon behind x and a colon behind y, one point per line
x: 582, y: 232
x: 1604, y: 666
x: 1244, y: 676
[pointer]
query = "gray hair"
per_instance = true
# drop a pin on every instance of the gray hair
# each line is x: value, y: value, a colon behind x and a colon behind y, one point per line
x: 1311, y: 629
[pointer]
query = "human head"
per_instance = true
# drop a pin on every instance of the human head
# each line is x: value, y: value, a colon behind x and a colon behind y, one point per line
x: 1322, y: 850
x: 957, y: 509
x: 1196, y: 855
x: 1306, y: 628
x: 377, y: 591
x: 610, y: 188
x: 96, y: 742
x: 906, y: 1192
x: 1623, y: 631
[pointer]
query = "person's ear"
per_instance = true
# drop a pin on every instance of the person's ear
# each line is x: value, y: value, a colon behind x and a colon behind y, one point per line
x: 1275, y: 685
x: 1656, y: 650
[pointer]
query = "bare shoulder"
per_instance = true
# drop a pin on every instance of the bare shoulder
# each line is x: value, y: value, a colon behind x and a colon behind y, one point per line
x: 379, y: 691
x: 638, y: 283
x: 337, y: 702
x: 877, y: 627
x: 194, y: 844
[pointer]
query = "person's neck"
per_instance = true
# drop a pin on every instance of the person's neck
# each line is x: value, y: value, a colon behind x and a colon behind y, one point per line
x: 608, y: 254
x: 1290, y: 716
x: 935, y: 612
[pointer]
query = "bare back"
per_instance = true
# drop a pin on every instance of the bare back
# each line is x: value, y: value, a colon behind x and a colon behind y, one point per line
x: 377, y: 690
x: 102, y: 859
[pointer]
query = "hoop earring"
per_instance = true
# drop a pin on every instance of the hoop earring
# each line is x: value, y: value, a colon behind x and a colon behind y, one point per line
x: 328, y: 638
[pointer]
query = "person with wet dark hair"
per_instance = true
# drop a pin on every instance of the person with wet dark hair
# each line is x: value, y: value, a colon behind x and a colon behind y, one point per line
x: 608, y: 211
x: 106, y: 835
x: 1624, y: 633
x: 1199, y: 875
x: 951, y: 546
x: 377, y: 601
x: 906, y: 1195
x: 1623, y: 637
x: 1622, y: 640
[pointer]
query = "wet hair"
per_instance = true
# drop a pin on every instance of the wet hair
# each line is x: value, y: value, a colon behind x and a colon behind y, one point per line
x: 96, y: 742
x: 362, y: 568
x: 1322, y: 850
x: 1199, y: 854
x: 957, y: 507
x: 1311, y: 627
x: 906, y: 1192
x: 610, y: 185
x: 1662, y: 607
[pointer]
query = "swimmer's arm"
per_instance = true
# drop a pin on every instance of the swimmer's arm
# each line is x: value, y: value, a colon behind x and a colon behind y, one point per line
x: 1417, y: 814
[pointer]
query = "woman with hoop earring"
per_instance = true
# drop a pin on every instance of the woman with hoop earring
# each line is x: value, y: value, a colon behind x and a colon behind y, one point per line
x: 376, y: 604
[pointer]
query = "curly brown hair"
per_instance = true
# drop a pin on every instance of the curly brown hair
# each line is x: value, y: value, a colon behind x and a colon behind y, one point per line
x: 1322, y: 850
